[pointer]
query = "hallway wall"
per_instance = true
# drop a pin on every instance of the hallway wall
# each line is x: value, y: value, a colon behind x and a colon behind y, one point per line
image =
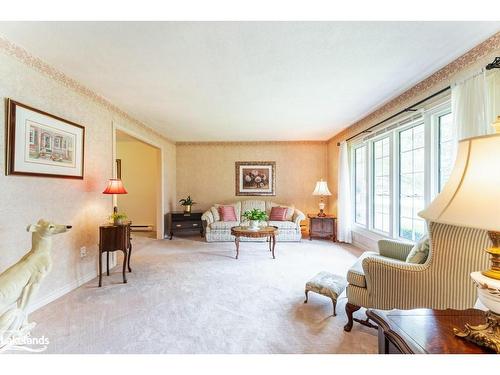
x: 140, y: 175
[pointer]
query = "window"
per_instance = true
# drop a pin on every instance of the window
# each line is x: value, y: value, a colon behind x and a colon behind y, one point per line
x: 398, y: 170
x: 447, y: 149
x: 360, y: 188
x: 411, y: 182
x: 46, y: 141
x: 381, y: 185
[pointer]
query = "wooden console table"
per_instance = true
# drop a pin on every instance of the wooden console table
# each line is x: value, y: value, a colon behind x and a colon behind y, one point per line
x: 115, y: 238
x: 323, y: 227
x: 425, y: 331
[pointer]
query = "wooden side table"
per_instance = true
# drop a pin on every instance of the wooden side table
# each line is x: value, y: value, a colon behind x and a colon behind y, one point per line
x: 425, y: 331
x: 115, y: 238
x: 181, y: 222
x: 322, y: 227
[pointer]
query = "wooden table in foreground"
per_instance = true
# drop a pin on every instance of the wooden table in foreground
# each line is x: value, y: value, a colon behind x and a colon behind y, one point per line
x: 425, y: 331
x: 270, y: 232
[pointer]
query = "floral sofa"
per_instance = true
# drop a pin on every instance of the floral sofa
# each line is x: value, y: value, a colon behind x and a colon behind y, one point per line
x: 217, y: 230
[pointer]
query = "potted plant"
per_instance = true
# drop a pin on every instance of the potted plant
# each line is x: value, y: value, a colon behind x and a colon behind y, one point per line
x: 118, y: 218
x: 255, y: 216
x: 187, y: 203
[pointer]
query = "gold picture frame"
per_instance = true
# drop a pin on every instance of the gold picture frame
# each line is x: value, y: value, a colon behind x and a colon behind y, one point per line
x: 255, y: 178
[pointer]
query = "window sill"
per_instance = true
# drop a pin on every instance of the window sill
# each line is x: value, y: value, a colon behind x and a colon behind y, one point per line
x: 374, y: 237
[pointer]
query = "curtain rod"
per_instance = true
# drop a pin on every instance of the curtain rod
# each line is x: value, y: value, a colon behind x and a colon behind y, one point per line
x: 495, y: 64
x: 407, y: 109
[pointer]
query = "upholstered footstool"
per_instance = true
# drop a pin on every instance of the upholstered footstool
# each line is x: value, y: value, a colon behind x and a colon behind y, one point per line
x: 328, y: 285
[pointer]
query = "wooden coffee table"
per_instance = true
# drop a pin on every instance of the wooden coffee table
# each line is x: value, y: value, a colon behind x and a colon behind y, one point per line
x: 270, y: 232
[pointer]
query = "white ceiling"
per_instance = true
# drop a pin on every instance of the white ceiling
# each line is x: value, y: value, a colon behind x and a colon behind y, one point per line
x: 207, y: 81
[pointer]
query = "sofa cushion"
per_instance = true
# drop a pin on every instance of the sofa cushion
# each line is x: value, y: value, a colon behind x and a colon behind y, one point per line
x: 227, y: 213
x: 356, y: 275
x: 282, y: 224
x: 215, y: 213
x: 278, y: 214
x: 236, y: 205
x: 419, y: 252
x: 289, y: 213
x: 224, y: 225
x: 251, y: 204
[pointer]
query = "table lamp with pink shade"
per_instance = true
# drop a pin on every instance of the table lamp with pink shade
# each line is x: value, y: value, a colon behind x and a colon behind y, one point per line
x: 115, y: 186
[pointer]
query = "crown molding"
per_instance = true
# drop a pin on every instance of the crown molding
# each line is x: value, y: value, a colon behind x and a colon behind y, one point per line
x: 252, y: 143
x: 434, y: 82
x: 49, y: 71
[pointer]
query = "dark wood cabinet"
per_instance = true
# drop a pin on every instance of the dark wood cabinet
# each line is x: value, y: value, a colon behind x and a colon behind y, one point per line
x: 425, y: 331
x: 322, y: 227
x: 180, y: 222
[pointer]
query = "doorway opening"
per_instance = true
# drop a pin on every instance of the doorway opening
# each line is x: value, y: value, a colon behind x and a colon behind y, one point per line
x: 141, y: 167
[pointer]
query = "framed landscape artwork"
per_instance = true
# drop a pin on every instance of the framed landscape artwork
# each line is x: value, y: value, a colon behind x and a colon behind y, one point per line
x: 255, y: 177
x: 40, y: 144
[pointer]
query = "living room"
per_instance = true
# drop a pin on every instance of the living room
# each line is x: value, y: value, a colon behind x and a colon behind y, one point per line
x: 190, y: 187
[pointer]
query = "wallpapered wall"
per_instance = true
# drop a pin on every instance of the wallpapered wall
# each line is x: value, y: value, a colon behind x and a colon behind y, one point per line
x: 207, y: 171
x: 77, y: 202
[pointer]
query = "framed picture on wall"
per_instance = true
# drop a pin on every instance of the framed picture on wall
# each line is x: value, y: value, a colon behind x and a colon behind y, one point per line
x: 255, y: 177
x: 41, y: 144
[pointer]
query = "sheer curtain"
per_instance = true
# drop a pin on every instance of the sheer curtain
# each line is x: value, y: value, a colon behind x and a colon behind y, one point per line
x: 344, y: 206
x: 471, y: 107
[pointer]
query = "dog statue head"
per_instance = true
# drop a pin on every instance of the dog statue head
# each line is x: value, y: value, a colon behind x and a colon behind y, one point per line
x: 46, y: 228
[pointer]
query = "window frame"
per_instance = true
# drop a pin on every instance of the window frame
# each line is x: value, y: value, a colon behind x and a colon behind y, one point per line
x: 430, y: 120
x: 371, y: 162
x: 397, y: 169
x: 437, y: 167
x: 353, y: 185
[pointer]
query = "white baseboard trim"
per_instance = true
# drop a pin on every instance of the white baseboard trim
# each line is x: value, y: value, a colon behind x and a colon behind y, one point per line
x: 61, y: 291
x: 361, y: 245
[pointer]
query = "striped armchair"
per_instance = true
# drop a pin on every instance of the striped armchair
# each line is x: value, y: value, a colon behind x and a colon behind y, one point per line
x: 385, y: 281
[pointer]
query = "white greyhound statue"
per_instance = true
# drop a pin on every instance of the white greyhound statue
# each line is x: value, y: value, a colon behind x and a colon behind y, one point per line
x: 20, y: 282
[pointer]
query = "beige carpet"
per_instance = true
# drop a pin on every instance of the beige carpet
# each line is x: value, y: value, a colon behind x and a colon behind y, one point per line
x: 188, y: 296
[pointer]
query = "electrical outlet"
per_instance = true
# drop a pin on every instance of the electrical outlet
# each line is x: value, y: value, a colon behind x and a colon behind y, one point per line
x: 83, y: 252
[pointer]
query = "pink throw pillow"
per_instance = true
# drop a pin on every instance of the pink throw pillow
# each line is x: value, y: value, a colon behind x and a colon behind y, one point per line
x: 278, y: 214
x: 227, y: 213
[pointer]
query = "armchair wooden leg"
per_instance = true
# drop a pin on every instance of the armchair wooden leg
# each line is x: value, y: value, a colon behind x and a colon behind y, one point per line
x: 349, y: 310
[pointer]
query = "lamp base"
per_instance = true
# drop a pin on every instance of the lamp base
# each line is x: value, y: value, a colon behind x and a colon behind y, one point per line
x: 494, y: 251
x: 321, y: 208
x: 494, y: 274
x: 487, y: 335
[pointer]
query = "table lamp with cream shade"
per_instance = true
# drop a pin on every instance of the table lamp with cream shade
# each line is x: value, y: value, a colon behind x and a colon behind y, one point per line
x: 471, y: 198
x: 321, y: 189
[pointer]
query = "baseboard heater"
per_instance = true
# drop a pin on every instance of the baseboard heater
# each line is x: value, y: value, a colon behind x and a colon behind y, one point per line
x: 142, y: 228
